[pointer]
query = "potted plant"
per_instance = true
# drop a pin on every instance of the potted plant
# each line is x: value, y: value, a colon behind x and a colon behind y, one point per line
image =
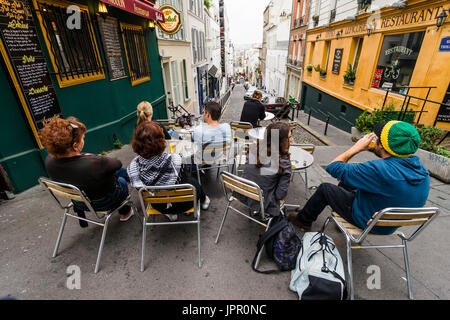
x: 317, y: 68
x: 323, y: 73
x: 309, y: 68
x: 349, y: 75
x: 315, y: 18
x: 363, y: 5
x: 434, y: 157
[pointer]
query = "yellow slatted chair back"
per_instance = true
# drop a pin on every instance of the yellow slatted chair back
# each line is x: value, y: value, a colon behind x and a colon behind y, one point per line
x: 241, y: 187
x: 64, y: 192
x: 167, y: 196
x: 402, y: 219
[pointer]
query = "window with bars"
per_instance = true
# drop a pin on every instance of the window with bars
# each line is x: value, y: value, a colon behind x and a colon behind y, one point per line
x: 73, y: 51
x: 136, y: 52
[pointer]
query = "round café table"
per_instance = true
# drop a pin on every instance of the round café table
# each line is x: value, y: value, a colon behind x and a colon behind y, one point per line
x: 185, y: 148
x: 300, y: 158
x: 257, y: 133
x: 269, y: 116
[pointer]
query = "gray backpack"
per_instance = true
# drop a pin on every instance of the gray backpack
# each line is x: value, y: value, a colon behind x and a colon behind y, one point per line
x: 319, y: 272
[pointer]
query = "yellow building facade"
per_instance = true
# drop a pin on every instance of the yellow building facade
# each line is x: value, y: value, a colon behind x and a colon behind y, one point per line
x: 389, y: 50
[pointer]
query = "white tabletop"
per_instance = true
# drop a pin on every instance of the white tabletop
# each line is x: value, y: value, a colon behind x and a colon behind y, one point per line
x: 257, y: 133
x: 269, y: 116
x: 300, y: 158
x: 184, y: 147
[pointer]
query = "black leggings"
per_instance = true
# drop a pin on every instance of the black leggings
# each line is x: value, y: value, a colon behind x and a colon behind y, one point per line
x: 339, y: 198
x: 181, y: 207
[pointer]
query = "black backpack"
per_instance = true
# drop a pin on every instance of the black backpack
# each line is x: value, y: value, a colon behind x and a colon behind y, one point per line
x: 281, y: 243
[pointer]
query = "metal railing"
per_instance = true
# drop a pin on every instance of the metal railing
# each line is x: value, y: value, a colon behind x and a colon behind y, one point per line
x: 404, y: 109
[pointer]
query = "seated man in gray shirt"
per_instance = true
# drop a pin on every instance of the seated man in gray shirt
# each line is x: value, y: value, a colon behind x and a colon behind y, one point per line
x: 211, y: 132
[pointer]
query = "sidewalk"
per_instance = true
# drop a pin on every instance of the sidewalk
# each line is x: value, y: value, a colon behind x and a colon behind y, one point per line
x: 29, y: 225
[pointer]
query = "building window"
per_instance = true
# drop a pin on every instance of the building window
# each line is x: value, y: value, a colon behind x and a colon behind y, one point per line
x: 73, y: 52
x: 175, y: 83
x: 319, y: 98
x: 325, y: 57
x: 311, y: 53
x: 185, y: 82
x: 136, y: 53
x: 343, y: 108
x: 397, y: 60
x: 358, y: 42
x: 194, y: 45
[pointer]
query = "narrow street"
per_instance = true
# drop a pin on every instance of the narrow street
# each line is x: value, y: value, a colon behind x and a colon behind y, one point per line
x: 29, y: 226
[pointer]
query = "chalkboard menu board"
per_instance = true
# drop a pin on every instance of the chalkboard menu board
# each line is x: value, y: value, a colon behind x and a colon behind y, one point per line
x: 337, y: 60
x: 444, y: 111
x: 26, y: 62
x: 109, y: 31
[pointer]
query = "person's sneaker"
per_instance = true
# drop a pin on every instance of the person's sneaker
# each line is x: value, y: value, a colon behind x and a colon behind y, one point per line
x: 172, y: 217
x: 292, y: 217
x: 128, y: 216
x: 205, y: 204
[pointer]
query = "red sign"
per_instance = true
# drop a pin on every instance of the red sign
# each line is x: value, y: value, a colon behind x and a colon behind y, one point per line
x: 137, y: 7
x: 377, y: 78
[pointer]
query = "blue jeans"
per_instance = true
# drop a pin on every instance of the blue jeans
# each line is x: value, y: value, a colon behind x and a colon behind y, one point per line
x: 111, y: 201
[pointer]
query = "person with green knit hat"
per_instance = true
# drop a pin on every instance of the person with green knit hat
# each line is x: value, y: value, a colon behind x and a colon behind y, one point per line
x: 397, y: 179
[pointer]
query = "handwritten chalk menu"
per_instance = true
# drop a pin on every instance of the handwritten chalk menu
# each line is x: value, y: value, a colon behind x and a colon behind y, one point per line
x: 109, y: 31
x: 23, y: 54
x: 444, y: 111
x: 337, y: 60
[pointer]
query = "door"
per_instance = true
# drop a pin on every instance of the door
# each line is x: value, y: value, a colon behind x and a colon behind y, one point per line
x: 167, y: 83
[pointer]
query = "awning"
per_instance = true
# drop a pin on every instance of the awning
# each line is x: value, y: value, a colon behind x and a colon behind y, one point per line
x: 137, y: 7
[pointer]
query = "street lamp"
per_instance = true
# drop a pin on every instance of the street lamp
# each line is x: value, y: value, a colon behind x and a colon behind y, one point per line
x: 369, y: 29
x: 441, y: 18
x: 102, y: 9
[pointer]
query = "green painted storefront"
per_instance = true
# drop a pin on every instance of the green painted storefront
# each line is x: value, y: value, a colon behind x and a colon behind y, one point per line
x: 107, y: 108
x: 322, y: 105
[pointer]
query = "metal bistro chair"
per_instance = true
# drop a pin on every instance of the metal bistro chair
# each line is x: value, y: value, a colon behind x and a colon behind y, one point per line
x: 248, y: 189
x: 240, y: 130
x: 389, y: 217
x: 292, y: 125
x: 70, y: 192
x: 310, y: 148
x: 167, y: 123
x: 216, y: 155
x: 241, y: 137
x: 168, y: 194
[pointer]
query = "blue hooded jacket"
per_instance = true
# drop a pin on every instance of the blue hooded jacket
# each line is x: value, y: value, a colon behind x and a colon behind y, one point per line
x: 383, y: 183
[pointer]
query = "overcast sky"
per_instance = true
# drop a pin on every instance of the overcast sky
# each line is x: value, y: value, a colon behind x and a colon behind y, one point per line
x: 246, y: 20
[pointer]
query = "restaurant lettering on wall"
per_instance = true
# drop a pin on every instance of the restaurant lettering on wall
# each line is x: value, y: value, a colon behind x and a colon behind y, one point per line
x: 24, y: 58
x: 392, y: 22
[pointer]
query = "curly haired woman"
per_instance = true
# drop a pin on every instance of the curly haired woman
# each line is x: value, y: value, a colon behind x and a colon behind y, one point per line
x: 102, y: 178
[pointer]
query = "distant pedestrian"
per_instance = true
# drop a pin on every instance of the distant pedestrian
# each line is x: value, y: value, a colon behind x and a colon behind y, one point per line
x: 398, y: 179
x: 253, y: 109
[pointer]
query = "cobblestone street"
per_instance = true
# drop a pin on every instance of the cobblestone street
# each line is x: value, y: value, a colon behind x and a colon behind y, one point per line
x: 233, y: 111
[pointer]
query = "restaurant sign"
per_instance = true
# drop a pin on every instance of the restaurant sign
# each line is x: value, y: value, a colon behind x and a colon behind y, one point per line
x: 420, y: 17
x: 172, y: 19
x: 137, y: 7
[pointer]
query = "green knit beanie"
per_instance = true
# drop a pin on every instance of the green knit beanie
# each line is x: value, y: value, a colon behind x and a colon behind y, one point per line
x: 398, y: 138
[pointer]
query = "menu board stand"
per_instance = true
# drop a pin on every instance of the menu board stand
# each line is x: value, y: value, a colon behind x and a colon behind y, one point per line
x: 109, y: 31
x: 26, y: 64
